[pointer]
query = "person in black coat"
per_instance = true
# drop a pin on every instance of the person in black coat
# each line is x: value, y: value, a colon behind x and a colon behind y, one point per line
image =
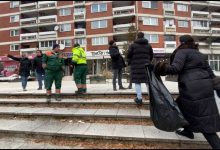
x: 24, y: 69
x: 39, y: 70
x: 118, y: 64
x: 140, y: 53
x: 196, y: 94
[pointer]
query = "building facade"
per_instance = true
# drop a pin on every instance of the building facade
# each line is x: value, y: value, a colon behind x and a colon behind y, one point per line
x: 30, y: 25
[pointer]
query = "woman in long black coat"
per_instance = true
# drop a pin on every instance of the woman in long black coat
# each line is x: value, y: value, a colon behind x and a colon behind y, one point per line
x: 140, y: 53
x: 196, y: 94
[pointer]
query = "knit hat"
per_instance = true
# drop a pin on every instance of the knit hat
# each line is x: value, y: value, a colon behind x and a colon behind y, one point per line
x: 140, y: 35
x: 55, y: 46
x: 185, y: 39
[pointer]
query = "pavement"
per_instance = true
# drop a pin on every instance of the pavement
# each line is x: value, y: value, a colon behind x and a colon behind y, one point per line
x: 68, y: 86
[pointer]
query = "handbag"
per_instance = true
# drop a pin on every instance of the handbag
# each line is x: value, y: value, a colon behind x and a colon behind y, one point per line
x: 164, y: 111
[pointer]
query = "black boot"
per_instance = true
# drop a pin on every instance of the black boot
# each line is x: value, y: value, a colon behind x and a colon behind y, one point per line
x: 58, y: 98
x: 48, y: 99
x: 185, y: 133
x: 80, y: 91
x: 138, y: 101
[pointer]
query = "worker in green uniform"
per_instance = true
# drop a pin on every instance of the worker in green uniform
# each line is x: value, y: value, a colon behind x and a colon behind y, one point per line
x: 53, y: 63
x: 80, y: 69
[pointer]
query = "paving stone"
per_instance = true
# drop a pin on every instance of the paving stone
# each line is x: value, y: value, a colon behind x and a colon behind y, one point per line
x: 86, y: 112
x: 27, y: 126
x: 129, y: 131
x: 145, y: 113
x: 98, y: 129
x: 6, y: 110
x: 74, y: 129
x: 65, y: 111
x: 45, y: 111
x: 50, y: 127
x: 7, y: 124
x: 107, y: 112
x: 10, y: 145
x: 153, y: 134
x: 134, y: 113
x: 31, y: 145
x: 29, y: 110
x: 197, y: 137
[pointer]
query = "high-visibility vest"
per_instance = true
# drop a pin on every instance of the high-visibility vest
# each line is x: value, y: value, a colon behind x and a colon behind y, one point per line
x: 79, y: 55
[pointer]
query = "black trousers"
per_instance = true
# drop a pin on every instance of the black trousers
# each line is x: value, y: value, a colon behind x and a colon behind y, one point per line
x: 117, y: 73
x: 213, y: 140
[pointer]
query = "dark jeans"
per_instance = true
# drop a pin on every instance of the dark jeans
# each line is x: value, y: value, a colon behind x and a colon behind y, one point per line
x: 213, y: 140
x: 40, y: 79
x: 117, y: 73
x: 24, y: 81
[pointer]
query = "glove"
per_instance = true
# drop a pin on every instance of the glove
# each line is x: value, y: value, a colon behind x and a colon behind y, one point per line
x: 160, y: 69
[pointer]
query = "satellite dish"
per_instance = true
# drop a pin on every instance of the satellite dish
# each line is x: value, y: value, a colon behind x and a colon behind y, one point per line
x: 62, y: 46
x: 56, y: 28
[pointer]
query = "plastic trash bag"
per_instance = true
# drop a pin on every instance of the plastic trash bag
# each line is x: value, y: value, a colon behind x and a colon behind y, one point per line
x: 164, y: 111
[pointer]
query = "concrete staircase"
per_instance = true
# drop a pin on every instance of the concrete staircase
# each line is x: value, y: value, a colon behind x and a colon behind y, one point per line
x: 91, y: 121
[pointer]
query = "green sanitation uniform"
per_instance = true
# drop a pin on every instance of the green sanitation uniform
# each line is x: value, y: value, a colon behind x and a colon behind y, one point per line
x: 80, y: 71
x: 54, y: 69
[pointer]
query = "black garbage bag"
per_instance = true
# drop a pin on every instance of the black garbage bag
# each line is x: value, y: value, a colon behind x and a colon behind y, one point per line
x: 164, y: 111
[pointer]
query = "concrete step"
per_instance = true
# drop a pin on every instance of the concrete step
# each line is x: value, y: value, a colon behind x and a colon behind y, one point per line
x: 76, y: 112
x: 133, y: 133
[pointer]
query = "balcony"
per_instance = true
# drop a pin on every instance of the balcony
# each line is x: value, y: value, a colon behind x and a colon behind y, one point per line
x: 124, y: 11
x: 215, y: 31
x: 215, y: 16
x: 78, y: 3
x: 47, y: 19
x: 199, y: 2
x: 47, y: 4
x: 215, y: 3
x: 28, y: 37
x: 28, y: 21
x: 200, y: 30
x: 169, y: 12
x: 169, y: 46
x: 28, y: 7
x: 79, y: 32
x: 200, y: 15
x: 28, y: 49
x: 122, y: 27
x: 49, y: 34
x: 79, y: 15
x: 170, y: 28
x: 121, y: 44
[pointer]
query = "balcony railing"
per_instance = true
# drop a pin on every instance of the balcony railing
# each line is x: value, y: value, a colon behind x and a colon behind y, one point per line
x: 28, y: 49
x: 79, y: 32
x: 28, y: 21
x: 170, y: 28
x: 28, y: 36
x: 48, y: 34
x: 122, y: 27
x: 76, y: 3
x: 169, y: 12
x: 215, y: 16
x: 28, y: 7
x: 200, y: 30
x: 47, y: 19
x: 123, y: 11
x: 215, y: 31
x: 79, y: 15
x: 200, y: 14
x: 47, y: 4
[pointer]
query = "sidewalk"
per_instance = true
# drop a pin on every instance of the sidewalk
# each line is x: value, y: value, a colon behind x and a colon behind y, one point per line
x: 70, y: 87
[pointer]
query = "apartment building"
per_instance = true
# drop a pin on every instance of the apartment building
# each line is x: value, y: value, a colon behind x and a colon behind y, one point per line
x: 30, y: 25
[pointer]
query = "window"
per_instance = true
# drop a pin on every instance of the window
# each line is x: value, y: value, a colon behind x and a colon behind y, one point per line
x: 14, y: 47
x: 183, y: 23
x: 169, y: 38
x: 65, y: 27
x: 200, y: 23
x: 149, y: 4
x: 80, y: 41
x: 14, y: 33
x: 14, y: 4
x: 98, y: 7
x: 169, y: 22
x: 182, y: 7
x: 168, y: 5
x: 66, y: 43
x: 47, y: 44
x: 99, y: 24
x: 14, y: 18
x: 214, y: 62
x: 65, y: 11
x: 150, y: 21
x: 152, y: 38
x: 100, y: 41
